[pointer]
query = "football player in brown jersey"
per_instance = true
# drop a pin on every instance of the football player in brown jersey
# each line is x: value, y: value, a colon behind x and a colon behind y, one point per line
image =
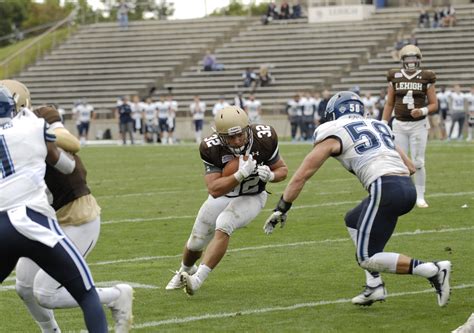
x: 79, y: 216
x: 408, y: 89
x: 234, y: 200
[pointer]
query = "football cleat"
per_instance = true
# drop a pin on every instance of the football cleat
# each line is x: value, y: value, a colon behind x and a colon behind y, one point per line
x: 176, y: 283
x: 370, y: 295
x: 421, y: 203
x: 467, y: 327
x: 191, y: 283
x: 441, y: 281
x: 122, y: 309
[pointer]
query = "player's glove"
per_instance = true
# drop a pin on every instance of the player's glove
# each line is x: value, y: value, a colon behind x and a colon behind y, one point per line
x: 265, y: 174
x: 278, y: 216
x: 246, y: 168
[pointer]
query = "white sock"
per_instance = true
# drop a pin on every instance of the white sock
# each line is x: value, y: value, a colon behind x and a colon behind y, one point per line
x: 202, y: 273
x: 372, y: 281
x: 427, y: 270
x: 420, y: 190
x: 49, y: 326
x: 185, y: 268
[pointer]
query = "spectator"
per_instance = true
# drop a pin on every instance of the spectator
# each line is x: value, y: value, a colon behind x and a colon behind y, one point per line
x: 171, y: 120
x: 249, y: 78
x: 284, y: 11
x: 443, y: 105
x: 137, y: 114
x: 239, y: 100
x: 437, y: 18
x: 424, y: 19
x: 434, y: 119
x: 219, y: 105
x: 210, y: 62
x: 449, y: 16
x: 150, y: 120
x: 271, y: 13
x: 296, y: 10
x: 397, y: 46
x: 253, y: 108
x: 355, y: 89
x: 294, y: 111
x: 457, y: 101
x: 412, y: 40
x: 122, y: 14
x: 264, y: 76
x: 197, y: 109
x: 83, y: 114
x: 124, y: 114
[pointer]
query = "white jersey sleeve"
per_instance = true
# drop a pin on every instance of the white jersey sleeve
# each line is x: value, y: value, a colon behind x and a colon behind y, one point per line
x: 367, y: 147
x: 23, y: 149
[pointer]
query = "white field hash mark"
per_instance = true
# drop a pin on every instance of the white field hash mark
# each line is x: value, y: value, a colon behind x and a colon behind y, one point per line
x: 272, y: 246
x: 326, y: 204
x: 274, y: 309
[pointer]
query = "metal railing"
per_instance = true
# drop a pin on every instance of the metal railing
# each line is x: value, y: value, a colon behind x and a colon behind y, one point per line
x: 18, y: 57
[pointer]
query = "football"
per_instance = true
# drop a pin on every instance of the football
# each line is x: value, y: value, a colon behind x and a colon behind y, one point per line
x: 231, y: 167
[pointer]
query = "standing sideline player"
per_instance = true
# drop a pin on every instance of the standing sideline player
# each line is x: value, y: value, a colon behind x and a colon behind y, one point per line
x: 78, y: 215
x: 28, y: 226
x: 365, y: 148
x: 234, y: 200
x: 407, y: 91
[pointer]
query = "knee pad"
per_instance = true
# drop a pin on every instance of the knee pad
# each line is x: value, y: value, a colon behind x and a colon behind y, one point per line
x: 197, y: 242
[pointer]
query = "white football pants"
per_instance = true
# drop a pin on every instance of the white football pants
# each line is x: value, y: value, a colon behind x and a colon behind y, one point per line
x: 412, y: 137
x: 224, y: 214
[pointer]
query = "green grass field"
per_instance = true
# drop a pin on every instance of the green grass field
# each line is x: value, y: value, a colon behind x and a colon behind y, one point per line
x: 300, y: 279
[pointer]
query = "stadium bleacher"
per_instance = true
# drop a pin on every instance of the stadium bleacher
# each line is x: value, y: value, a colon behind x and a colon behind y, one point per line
x: 101, y: 62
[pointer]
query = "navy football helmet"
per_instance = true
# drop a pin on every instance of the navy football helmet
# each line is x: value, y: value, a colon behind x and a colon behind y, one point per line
x: 7, y: 104
x: 343, y: 103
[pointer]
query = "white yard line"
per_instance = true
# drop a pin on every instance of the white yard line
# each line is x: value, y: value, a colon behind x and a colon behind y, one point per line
x: 273, y: 246
x: 336, y: 203
x: 219, y: 315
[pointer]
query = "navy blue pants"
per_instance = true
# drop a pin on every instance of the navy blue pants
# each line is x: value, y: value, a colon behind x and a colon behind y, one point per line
x: 376, y: 216
x: 63, y: 262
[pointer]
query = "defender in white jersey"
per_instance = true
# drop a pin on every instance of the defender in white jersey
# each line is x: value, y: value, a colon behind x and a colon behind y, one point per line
x: 28, y: 226
x: 365, y: 148
x: 83, y: 114
x: 253, y: 107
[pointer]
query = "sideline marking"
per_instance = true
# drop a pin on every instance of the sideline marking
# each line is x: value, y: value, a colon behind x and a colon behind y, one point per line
x: 273, y: 246
x: 274, y: 309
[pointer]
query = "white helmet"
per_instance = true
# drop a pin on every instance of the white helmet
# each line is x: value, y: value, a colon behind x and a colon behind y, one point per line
x: 232, y: 120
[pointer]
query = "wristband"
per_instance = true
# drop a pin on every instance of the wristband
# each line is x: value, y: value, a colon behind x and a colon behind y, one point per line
x: 239, y: 176
x: 424, y: 111
x: 384, y: 121
x: 283, y: 206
